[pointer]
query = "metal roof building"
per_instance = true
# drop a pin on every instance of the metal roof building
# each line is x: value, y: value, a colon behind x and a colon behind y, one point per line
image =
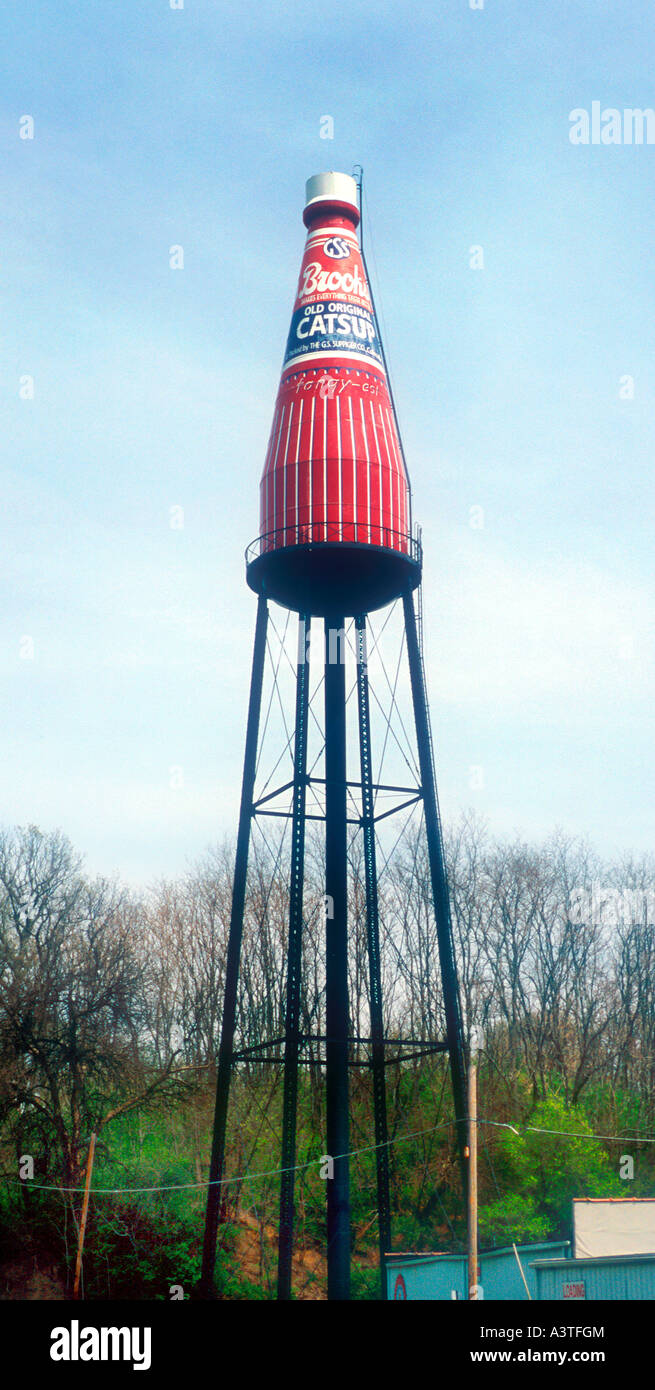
x: 428, y: 1277
x: 627, y: 1278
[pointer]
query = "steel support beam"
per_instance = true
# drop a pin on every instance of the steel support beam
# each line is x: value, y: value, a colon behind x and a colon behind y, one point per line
x: 294, y: 965
x: 228, y: 1024
x: 440, y: 894
x: 336, y: 928
x: 373, y: 942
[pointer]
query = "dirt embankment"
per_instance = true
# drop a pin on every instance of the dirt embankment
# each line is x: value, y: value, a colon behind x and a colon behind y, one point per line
x: 23, y: 1279
x: 253, y: 1258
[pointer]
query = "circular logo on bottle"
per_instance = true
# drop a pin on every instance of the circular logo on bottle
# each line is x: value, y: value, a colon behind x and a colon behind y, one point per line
x: 337, y: 248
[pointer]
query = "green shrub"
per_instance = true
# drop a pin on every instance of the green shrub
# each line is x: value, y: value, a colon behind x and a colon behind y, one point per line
x: 511, y: 1218
x: 550, y: 1169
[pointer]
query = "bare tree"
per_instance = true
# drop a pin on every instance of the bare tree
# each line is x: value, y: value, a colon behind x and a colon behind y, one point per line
x: 72, y: 989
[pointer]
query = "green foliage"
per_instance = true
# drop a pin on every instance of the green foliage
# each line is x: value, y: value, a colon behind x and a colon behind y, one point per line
x: 138, y: 1246
x: 139, y: 1254
x: 364, y: 1282
x: 550, y: 1169
x: 230, y: 1285
x: 512, y: 1218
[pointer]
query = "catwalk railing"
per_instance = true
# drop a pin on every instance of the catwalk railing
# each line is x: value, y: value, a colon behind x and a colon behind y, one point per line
x: 321, y: 532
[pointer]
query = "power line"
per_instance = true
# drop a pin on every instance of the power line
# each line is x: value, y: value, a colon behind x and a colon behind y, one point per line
x: 243, y: 1177
x: 352, y: 1153
x: 609, y: 1138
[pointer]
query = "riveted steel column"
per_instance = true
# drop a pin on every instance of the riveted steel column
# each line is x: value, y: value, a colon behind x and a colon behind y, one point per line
x: 215, y: 1195
x: 373, y: 941
x: 294, y: 965
x: 440, y: 895
x: 336, y: 929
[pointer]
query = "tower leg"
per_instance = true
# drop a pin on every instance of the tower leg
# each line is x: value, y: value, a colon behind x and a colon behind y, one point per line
x: 214, y: 1196
x: 441, y: 900
x: 294, y: 963
x: 336, y: 888
x: 373, y: 941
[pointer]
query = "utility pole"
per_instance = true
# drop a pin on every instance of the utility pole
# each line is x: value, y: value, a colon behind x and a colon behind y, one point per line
x: 85, y: 1208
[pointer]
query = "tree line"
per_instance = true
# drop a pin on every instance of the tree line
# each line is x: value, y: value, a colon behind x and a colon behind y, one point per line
x: 110, y: 1000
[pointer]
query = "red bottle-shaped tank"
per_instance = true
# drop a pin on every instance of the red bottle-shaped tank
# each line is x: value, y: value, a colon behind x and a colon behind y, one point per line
x: 335, y: 521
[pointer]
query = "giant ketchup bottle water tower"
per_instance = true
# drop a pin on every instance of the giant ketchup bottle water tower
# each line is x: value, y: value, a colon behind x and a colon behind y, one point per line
x: 335, y: 500
x: 336, y: 543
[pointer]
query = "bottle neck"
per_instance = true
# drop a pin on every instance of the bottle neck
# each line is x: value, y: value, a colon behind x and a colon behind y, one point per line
x: 327, y: 214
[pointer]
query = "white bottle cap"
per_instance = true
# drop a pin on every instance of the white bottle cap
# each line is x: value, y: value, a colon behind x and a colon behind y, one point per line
x: 331, y: 188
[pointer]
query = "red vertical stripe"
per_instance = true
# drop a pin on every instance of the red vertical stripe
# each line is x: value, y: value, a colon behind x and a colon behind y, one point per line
x: 302, y: 467
x: 398, y: 485
x: 376, y: 484
x: 285, y: 538
x: 337, y: 416
x: 364, y: 482
x: 347, y: 494
x: 352, y: 470
x: 333, y: 464
x: 332, y: 478
x: 385, y: 478
x: 393, y: 479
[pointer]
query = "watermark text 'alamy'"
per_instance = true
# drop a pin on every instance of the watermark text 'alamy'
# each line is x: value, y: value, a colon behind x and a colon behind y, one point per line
x: 608, y: 125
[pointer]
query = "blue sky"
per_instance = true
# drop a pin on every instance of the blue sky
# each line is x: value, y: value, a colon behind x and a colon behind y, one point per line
x: 154, y: 388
